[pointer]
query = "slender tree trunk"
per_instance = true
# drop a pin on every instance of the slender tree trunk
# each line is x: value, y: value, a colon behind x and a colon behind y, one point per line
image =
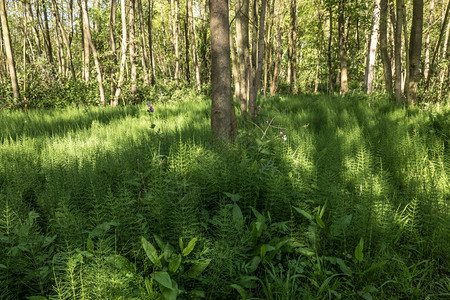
x: 150, y: 42
x: 242, y: 44
x: 371, y: 56
x: 342, y: 48
x: 269, y: 49
x: 48, y: 42
x: 132, y: 49
x: 176, y: 30
x: 123, y: 61
x: 415, y: 49
x: 329, y: 61
x: 405, y: 78
x: 144, y: 58
x: 253, y: 58
x: 438, y: 43
x: 9, y: 51
x: 112, y: 45
x: 292, y: 51
x: 87, y: 33
x: 194, y: 47
x: 398, y: 50
x: 259, y: 60
x: 235, y: 68
x: 223, y: 120
x: 186, y: 42
x: 273, y: 88
x: 86, y: 57
x: 426, y: 67
x: 65, y: 39
x: 37, y: 40
x: 387, y: 67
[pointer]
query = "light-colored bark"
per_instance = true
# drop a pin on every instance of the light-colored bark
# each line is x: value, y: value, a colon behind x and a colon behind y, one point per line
x: 242, y: 45
x: 87, y: 33
x: 112, y: 45
x: 124, y: 47
x: 398, y: 50
x: 342, y: 49
x: 387, y: 67
x: 150, y: 42
x: 9, y: 51
x: 144, y: 57
x: 426, y: 67
x: 372, y: 50
x: 132, y: 48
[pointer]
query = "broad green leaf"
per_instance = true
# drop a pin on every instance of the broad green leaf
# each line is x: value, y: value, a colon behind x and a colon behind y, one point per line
x: 234, y: 197
x: 340, y: 225
x: 322, y: 210
x: 237, y: 215
x: 240, y: 290
x: 121, y: 263
x: 197, y: 268
x: 160, y: 243
x: 169, y: 294
x: 189, y: 247
x: 262, y: 251
x: 180, y: 241
x: 304, y: 213
x: 151, y: 252
x: 163, y: 278
x: 359, y: 250
x: 254, y: 263
x: 175, y: 264
x: 2, y: 266
x: 320, y: 222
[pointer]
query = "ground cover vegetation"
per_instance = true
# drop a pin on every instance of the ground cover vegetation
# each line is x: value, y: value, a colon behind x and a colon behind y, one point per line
x: 319, y: 197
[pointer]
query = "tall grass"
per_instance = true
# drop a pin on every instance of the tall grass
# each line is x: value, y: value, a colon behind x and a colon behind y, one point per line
x: 80, y: 186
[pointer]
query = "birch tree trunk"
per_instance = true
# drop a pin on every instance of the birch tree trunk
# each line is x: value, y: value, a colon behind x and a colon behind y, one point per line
x: 150, y: 42
x: 292, y: 51
x: 144, y: 58
x: 87, y: 33
x: 112, y: 45
x: 371, y: 56
x: 342, y: 48
x: 193, y: 34
x: 123, y: 61
x: 186, y: 43
x: 133, y: 69
x: 398, y: 50
x: 9, y: 51
x: 426, y: 67
x: 242, y: 44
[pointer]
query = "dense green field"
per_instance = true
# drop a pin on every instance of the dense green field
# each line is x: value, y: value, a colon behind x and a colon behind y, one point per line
x: 319, y: 198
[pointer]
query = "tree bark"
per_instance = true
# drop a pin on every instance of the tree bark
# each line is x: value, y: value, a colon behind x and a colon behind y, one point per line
x: 292, y: 51
x: 186, y: 42
x: 387, y: 67
x: 259, y: 60
x: 132, y: 48
x: 415, y: 48
x: 150, y: 42
x: 398, y: 50
x: 87, y: 33
x: 329, y: 60
x: 194, y: 48
x: 144, y: 57
x: 426, y: 67
x: 9, y: 51
x: 242, y: 44
x: 273, y: 87
x: 342, y: 48
x: 371, y: 56
x: 123, y: 61
x: 223, y: 120
x: 112, y: 45
x: 48, y: 42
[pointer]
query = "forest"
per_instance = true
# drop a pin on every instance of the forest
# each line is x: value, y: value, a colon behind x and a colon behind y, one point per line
x: 224, y: 149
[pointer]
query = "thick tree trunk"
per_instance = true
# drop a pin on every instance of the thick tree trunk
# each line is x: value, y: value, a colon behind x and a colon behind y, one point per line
x: 223, y: 120
x: 87, y: 33
x: 9, y: 51
x: 123, y: 61
x: 342, y: 48
x: 372, y: 50
x: 415, y: 48
x: 387, y: 67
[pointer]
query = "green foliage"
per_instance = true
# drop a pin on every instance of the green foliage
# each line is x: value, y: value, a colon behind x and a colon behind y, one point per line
x: 352, y: 204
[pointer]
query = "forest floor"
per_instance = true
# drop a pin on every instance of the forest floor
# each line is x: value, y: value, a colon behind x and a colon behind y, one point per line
x: 318, y: 198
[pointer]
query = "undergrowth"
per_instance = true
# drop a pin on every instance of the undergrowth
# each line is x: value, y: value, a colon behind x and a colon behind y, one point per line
x: 318, y: 198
